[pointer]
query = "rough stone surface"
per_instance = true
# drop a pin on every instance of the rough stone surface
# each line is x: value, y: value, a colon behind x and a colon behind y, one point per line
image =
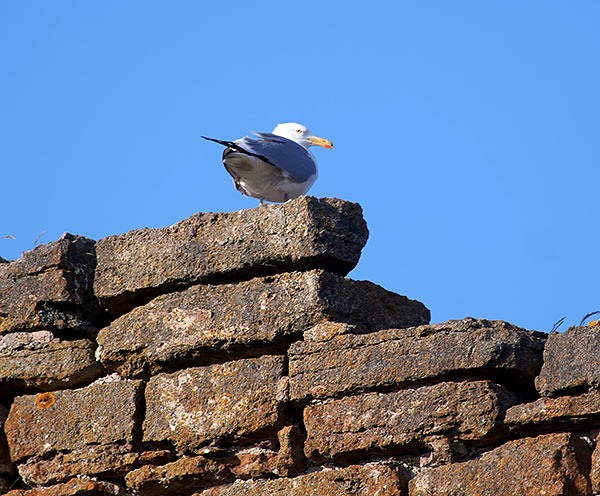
x: 181, y: 476
x: 372, y: 423
x: 595, y: 465
x: 553, y: 465
x: 97, y: 425
x: 200, y: 405
x: 375, y: 479
x: 205, y: 320
x: 290, y: 460
x: 565, y: 411
x: 571, y: 362
x: 111, y: 461
x: 38, y: 360
x: 75, y: 487
x: 50, y: 288
x: 326, y: 364
x: 306, y: 233
x: 190, y: 473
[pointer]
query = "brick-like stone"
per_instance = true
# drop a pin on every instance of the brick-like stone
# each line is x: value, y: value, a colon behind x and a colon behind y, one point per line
x: 559, y: 412
x: 306, y: 233
x: 38, y: 360
x: 55, y: 435
x: 111, y: 461
x: 327, y: 363
x: 207, y: 320
x: 181, y: 476
x: 571, y: 362
x: 373, y: 479
x: 196, y: 406
x: 552, y: 465
x: 75, y: 487
x: 190, y: 473
x: 372, y: 423
x: 50, y: 288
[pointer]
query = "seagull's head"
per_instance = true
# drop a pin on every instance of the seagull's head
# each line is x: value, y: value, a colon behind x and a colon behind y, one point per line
x: 301, y: 135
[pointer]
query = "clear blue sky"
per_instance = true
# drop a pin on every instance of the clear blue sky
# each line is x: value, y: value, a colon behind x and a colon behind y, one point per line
x: 468, y: 131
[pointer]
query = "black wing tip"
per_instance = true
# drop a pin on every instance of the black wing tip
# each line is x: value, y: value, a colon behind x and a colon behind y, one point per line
x: 221, y: 142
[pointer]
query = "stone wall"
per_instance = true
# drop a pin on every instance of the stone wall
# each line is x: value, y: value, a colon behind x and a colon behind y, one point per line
x: 228, y: 355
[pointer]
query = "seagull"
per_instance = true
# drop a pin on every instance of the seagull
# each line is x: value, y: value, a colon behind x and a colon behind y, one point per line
x: 277, y: 166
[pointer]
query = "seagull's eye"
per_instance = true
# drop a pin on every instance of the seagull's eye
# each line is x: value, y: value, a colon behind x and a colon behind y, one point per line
x: 299, y: 131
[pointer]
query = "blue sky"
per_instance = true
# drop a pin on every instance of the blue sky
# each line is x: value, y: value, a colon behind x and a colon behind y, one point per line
x: 467, y: 130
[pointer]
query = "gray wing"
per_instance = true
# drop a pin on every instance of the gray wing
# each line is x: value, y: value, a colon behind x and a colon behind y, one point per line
x: 282, y: 153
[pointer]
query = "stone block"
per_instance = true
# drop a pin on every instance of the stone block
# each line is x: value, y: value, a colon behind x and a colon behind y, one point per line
x: 74, y: 487
x: 204, y: 321
x: 39, y: 360
x: 372, y: 479
x: 552, y: 465
x: 561, y: 412
x: 378, y: 423
x: 332, y: 360
x: 181, y: 476
x: 53, y: 436
x: 306, y: 233
x: 571, y: 362
x: 190, y: 473
x: 203, y: 405
x: 50, y: 288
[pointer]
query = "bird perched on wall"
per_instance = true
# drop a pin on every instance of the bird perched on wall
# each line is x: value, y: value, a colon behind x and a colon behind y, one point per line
x: 277, y: 166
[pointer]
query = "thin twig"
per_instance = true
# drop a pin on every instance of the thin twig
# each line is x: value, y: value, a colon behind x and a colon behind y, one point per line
x: 37, y: 240
x: 588, y: 316
x: 557, y: 324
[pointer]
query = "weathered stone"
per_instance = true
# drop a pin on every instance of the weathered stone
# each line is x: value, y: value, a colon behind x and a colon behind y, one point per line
x: 327, y: 363
x: 207, y: 320
x: 373, y: 479
x: 97, y: 425
x: 75, y: 487
x: 6, y: 465
x: 571, y: 362
x: 553, y: 465
x: 181, y: 476
x: 190, y: 473
x: 253, y: 462
x: 111, y: 461
x: 563, y: 411
x: 38, y: 360
x: 306, y: 233
x: 50, y: 288
x: 290, y: 460
x: 373, y: 423
x: 595, y: 464
x: 200, y: 405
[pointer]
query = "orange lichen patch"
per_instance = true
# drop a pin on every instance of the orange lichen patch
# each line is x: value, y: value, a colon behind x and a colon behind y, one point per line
x: 44, y: 400
x: 594, y: 322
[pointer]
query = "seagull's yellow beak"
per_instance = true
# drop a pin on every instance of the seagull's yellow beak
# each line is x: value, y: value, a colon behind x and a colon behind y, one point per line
x: 315, y: 140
